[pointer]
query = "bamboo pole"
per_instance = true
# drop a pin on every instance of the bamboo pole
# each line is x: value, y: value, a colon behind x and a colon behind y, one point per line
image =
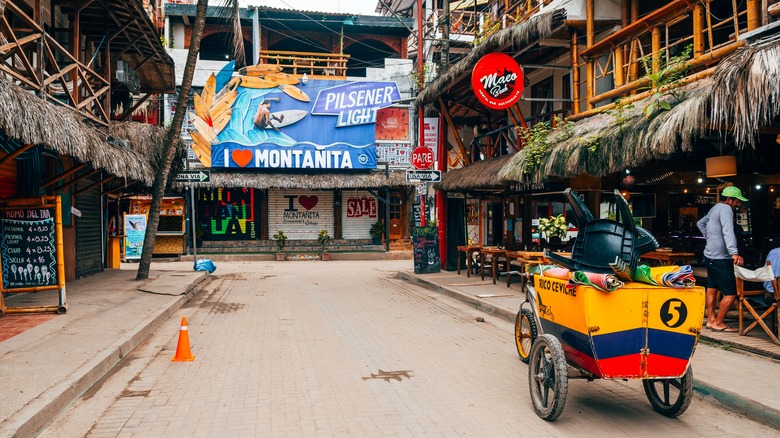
x: 753, y: 14
x: 63, y: 175
x: 575, y: 72
x: 693, y: 64
x: 589, y: 36
x: 656, y: 48
x: 698, y: 30
x: 15, y: 154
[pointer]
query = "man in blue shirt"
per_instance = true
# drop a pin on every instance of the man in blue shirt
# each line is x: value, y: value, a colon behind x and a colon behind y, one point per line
x: 774, y: 258
x: 720, y: 256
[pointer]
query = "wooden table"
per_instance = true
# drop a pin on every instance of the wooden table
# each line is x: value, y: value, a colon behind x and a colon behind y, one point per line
x: 494, y: 253
x: 666, y: 258
x: 469, y: 250
x: 526, y: 258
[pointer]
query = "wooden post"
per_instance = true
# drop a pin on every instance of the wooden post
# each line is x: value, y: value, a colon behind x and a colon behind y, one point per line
x: 656, y: 48
x: 698, y: 30
x: 753, y: 14
x: 75, y: 29
x: 455, y: 133
x: 589, y: 36
x: 575, y: 72
x: 620, y: 78
x: 633, y: 70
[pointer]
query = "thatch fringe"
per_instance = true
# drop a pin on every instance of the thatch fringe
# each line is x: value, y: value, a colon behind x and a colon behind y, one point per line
x: 148, y: 140
x: 535, y: 28
x: 479, y: 175
x: 746, y: 94
x: 32, y: 120
x: 600, y: 144
x: 373, y: 179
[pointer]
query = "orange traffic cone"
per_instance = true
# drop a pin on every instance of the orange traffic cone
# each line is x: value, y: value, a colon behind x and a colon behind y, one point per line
x: 183, y: 353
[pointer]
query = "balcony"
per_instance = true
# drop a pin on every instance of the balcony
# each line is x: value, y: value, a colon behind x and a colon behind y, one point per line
x: 314, y: 65
x: 703, y: 32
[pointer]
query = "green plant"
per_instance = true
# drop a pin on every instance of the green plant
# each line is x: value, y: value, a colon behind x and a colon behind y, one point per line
x: 554, y: 226
x: 281, y: 240
x: 377, y: 229
x: 536, y: 145
x: 664, y: 82
x: 324, y: 239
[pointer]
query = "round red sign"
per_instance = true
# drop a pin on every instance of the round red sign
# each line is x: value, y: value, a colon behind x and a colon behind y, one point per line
x: 422, y: 157
x: 497, y: 81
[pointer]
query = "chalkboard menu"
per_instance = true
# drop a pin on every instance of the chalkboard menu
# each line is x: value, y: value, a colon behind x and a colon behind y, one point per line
x: 425, y: 241
x: 28, y: 247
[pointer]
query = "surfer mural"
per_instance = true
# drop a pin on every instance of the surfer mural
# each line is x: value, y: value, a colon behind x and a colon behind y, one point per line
x: 264, y: 119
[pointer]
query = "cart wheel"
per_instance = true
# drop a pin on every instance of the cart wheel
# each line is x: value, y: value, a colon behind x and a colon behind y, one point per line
x: 670, y: 397
x: 548, y: 377
x: 525, y: 333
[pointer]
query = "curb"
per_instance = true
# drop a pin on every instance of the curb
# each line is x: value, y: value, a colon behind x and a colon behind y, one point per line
x: 31, y: 419
x: 741, y: 405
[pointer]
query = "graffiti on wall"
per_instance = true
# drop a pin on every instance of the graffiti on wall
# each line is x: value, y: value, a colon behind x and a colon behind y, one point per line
x: 228, y: 214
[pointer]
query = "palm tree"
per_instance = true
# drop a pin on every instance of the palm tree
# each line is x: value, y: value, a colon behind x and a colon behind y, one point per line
x: 172, y: 138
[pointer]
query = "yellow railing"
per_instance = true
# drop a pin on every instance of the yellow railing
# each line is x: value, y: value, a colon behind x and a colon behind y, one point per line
x: 314, y: 65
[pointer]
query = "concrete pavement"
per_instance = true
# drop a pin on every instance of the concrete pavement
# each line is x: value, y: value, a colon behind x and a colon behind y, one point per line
x: 46, y: 368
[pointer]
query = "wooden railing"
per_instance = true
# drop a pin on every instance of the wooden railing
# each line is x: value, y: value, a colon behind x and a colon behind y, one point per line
x: 648, y: 44
x: 36, y: 61
x: 314, y: 65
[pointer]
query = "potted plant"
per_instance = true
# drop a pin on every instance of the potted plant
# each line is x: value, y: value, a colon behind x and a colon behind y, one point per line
x: 324, y: 239
x: 377, y: 231
x: 554, y: 228
x: 281, y: 241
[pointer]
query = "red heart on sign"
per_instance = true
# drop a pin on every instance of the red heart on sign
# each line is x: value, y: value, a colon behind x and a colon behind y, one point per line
x: 242, y: 157
x: 308, y: 202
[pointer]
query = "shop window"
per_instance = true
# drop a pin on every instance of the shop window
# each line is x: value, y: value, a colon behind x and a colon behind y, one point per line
x: 541, y: 111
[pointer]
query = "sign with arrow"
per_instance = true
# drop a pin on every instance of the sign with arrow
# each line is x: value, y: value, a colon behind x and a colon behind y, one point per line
x: 199, y: 176
x: 428, y: 176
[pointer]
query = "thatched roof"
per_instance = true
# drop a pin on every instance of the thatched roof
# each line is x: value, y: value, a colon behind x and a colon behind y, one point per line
x: 32, y: 120
x: 743, y: 95
x: 372, y: 179
x: 147, y: 140
x: 479, y: 175
x: 535, y: 28
x: 746, y: 91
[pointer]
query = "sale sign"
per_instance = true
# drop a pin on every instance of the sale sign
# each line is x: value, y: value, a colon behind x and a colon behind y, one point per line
x: 497, y: 81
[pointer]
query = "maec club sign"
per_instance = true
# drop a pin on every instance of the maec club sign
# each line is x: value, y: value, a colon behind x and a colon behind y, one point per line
x: 497, y: 81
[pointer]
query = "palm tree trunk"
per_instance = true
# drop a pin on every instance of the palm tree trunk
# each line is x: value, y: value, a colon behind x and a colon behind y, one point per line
x: 171, y: 140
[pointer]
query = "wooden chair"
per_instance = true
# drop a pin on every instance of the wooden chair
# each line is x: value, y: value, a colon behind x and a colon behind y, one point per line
x: 744, y: 302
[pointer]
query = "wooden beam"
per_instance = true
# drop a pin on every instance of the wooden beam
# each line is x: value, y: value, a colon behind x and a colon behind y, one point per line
x: 63, y: 175
x: 93, y: 185
x: 455, y: 133
x: 575, y: 71
x: 77, y: 179
x: 698, y: 30
x: 15, y: 154
x: 753, y: 14
x: 137, y: 105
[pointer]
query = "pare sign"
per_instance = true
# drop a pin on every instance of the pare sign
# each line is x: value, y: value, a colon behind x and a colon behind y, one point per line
x: 497, y: 81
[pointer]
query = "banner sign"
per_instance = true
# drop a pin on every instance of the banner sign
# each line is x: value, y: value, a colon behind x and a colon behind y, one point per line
x: 135, y: 229
x: 278, y: 127
x: 497, y: 81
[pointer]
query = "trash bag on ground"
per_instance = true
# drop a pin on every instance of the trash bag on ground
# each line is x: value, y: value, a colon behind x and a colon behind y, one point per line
x: 205, y: 265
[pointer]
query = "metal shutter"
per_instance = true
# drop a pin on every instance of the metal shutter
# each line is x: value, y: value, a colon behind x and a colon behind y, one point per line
x: 301, y: 214
x: 359, y: 210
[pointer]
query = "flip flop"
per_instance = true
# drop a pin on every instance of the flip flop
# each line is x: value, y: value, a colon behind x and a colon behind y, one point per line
x: 726, y: 329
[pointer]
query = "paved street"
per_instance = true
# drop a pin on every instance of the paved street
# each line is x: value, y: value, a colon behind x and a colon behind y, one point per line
x: 344, y: 349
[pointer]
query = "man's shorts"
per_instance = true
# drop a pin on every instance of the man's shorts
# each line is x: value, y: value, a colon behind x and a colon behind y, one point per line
x: 720, y: 275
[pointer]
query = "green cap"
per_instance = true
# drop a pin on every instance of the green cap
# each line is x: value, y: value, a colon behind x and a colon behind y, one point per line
x: 733, y: 192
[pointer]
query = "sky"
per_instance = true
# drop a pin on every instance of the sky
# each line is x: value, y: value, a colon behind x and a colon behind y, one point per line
x: 358, y: 7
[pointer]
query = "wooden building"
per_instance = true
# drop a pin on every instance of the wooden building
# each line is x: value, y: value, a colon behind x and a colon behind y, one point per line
x: 65, y: 68
x: 653, y: 88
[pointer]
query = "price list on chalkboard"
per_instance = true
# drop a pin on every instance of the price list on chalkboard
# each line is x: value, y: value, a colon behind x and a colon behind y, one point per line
x: 28, y: 245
